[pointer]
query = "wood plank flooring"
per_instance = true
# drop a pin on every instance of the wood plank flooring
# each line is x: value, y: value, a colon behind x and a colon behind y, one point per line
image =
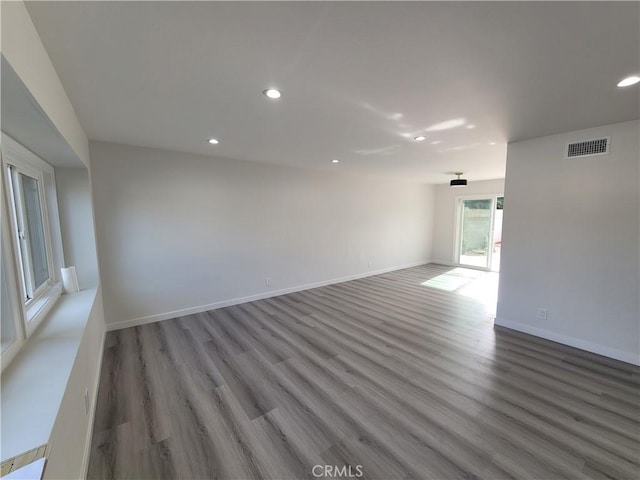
x: 401, y: 375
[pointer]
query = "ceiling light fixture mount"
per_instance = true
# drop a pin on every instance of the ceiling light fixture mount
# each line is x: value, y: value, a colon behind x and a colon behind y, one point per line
x: 272, y: 93
x: 458, y: 182
x: 627, y: 82
x: 214, y: 141
x: 335, y: 161
x: 420, y: 138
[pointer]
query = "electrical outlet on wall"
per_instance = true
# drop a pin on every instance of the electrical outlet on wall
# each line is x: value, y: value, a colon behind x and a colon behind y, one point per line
x: 542, y: 314
x: 267, y: 282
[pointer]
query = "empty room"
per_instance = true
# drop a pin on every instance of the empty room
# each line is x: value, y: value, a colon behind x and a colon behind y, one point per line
x: 299, y: 240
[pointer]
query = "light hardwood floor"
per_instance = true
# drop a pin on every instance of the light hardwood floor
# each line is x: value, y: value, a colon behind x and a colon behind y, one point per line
x: 406, y: 380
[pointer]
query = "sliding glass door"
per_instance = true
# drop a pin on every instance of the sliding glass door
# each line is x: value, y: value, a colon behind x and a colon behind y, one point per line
x: 479, y: 236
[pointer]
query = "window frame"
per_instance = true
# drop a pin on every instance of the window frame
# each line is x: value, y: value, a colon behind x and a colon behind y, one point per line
x: 12, y: 291
x: 32, y: 304
x: 20, y: 228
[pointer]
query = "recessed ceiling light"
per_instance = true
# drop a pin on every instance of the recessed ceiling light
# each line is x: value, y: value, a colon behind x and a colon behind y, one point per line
x: 272, y: 93
x: 214, y: 141
x: 420, y: 138
x: 335, y: 161
x: 471, y: 127
x: 627, y: 82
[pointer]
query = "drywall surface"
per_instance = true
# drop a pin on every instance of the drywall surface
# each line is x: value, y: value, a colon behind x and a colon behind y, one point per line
x: 76, y: 222
x: 444, y: 221
x: 70, y: 439
x: 23, y: 49
x: 571, y: 242
x: 178, y: 233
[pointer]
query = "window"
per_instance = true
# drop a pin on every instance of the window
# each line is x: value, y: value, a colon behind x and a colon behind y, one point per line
x: 27, y: 194
x: 30, y: 285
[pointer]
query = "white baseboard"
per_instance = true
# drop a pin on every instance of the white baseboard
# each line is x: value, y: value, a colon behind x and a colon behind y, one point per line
x: 92, y: 411
x: 623, y: 356
x: 134, y: 322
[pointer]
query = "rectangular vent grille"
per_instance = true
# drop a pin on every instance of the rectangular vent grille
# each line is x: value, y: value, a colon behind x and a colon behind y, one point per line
x: 597, y: 146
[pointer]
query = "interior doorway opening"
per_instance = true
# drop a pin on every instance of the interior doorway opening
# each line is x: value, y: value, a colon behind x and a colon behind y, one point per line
x: 479, y: 233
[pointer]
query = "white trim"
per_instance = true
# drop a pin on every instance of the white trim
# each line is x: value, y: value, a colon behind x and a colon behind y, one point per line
x: 13, y: 291
x: 134, y: 322
x: 623, y: 356
x: 37, y: 311
x: 10, y: 352
x: 94, y: 403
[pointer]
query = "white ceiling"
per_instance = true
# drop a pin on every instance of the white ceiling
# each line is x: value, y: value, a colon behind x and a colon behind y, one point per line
x: 359, y: 79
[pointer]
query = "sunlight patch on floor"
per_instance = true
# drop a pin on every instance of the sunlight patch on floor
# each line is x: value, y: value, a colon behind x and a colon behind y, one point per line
x: 481, y: 286
x: 453, y: 279
x: 484, y: 289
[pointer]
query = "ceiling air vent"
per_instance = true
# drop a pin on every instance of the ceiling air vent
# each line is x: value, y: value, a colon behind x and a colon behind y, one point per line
x: 588, y: 148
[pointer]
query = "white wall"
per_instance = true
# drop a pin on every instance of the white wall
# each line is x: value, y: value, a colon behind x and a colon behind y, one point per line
x: 69, y: 439
x: 179, y: 232
x: 444, y: 227
x: 71, y: 434
x: 571, y: 242
x: 23, y: 49
x: 76, y: 223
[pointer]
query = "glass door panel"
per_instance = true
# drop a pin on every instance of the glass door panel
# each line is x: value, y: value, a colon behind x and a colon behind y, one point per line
x: 475, y: 234
x: 497, y: 235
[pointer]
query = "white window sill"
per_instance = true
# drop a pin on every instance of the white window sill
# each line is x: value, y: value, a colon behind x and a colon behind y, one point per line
x: 35, y: 312
x: 39, y: 307
x: 33, y: 385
